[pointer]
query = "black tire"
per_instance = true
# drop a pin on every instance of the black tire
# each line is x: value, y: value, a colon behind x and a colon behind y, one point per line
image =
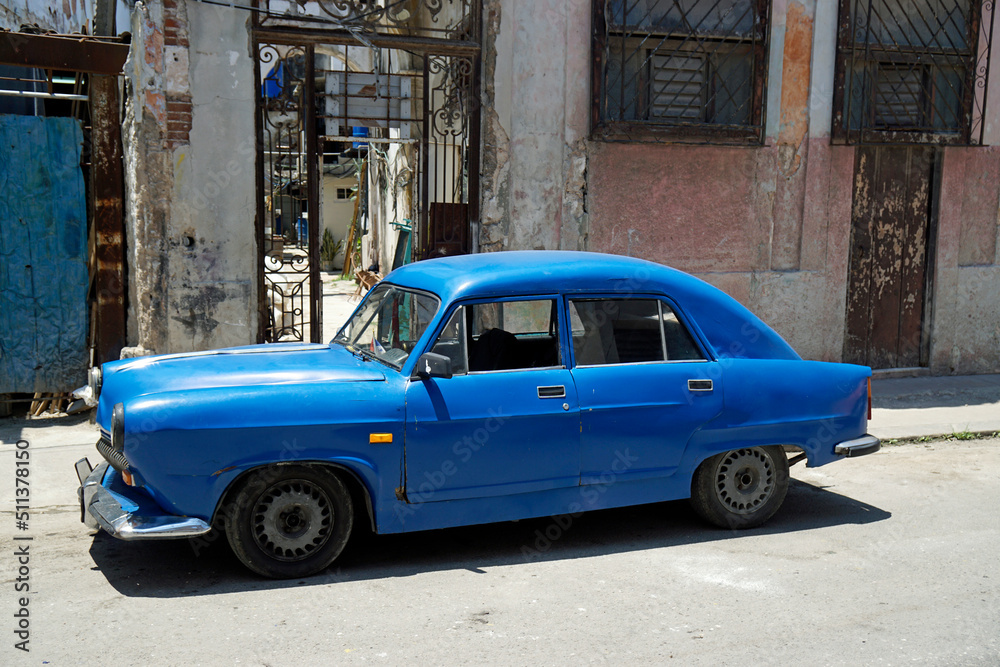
x: 741, y: 488
x: 289, y: 521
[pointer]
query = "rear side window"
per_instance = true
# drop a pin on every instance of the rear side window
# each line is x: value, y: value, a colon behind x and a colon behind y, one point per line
x: 624, y: 331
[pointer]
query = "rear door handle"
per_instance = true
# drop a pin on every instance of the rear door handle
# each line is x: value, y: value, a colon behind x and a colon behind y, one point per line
x: 557, y: 391
x: 699, y: 385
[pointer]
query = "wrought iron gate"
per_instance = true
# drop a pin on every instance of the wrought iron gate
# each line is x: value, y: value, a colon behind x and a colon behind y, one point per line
x: 386, y: 90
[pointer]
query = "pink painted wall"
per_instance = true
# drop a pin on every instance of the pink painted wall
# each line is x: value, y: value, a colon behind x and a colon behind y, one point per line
x: 778, y: 241
x: 678, y: 205
x: 965, y: 333
x: 775, y: 240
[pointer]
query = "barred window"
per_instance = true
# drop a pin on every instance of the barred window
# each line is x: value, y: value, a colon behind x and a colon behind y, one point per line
x: 912, y: 71
x: 681, y: 70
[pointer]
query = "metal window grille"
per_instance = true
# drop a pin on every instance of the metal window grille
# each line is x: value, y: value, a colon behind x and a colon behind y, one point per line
x: 681, y: 70
x: 401, y: 18
x: 912, y: 71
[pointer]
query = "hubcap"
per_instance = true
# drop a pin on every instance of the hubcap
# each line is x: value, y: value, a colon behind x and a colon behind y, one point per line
x: 744, y: 480
x: 292, y: 519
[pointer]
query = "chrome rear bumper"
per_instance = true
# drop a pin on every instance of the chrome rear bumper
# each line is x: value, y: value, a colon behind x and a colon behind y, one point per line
x: 101, y: 509
x: 866, y: 444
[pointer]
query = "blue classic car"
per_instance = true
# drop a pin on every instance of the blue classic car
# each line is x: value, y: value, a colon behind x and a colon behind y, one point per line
x: 468, y: 390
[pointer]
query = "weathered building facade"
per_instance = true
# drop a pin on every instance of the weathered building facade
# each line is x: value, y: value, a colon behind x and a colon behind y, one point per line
x: 832, y: 164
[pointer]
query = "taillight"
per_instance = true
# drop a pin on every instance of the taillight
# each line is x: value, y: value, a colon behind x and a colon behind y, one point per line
x: 869, y: 399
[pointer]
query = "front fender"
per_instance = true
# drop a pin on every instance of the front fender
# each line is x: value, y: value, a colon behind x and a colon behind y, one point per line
x: 186, y: 448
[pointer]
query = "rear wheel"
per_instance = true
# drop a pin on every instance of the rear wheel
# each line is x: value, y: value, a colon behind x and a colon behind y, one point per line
x: 289, y: 521
x: 741, y: 488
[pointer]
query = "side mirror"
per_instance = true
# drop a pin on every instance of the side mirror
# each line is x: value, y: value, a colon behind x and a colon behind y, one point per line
x: 432, y: 365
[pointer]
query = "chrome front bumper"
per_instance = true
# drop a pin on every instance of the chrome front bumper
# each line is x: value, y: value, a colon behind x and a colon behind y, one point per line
x: 101, y: 509
x: 866, y: 444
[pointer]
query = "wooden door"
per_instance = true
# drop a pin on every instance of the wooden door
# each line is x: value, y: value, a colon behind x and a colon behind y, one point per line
x: 887, y: 274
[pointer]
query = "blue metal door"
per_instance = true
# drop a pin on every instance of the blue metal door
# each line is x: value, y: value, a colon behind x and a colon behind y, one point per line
x: 637, y: 419
x: 645, y: 386
x: 43, y: 242
x: 491, y: 433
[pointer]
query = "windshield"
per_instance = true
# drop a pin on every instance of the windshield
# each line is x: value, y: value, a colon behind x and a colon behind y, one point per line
x: 389, y: 324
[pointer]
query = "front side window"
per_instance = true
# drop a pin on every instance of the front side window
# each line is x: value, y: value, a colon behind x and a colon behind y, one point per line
x: 501, y: 336
x: 389, y: 324
x: 452, y: 342
x: 624, y: 331
x: 681, y: 69
x: 912, y: 71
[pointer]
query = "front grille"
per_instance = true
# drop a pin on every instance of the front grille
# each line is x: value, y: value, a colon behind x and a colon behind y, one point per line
x: 116, y: 459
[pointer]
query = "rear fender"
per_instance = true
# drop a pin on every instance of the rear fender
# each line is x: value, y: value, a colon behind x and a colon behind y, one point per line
x: 810, y: 405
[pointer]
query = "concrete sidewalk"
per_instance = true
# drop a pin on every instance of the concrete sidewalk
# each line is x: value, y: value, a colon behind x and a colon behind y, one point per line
x: 933, y: 406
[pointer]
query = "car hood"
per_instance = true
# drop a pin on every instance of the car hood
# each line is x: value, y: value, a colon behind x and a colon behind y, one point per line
x: 254, y: 365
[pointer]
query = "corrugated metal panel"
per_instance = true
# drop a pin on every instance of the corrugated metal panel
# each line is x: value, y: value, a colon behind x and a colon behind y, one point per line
x: 43, y: 263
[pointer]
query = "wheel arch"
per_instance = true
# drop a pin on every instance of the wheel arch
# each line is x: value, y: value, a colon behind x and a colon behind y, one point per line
x: 360, y: 494
x: 703, y: 453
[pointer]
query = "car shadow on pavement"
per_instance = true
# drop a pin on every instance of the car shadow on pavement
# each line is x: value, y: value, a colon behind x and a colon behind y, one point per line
x: 177, y: 568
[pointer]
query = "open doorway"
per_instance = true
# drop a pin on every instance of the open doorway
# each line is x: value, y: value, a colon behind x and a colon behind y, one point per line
x: 368, y: 140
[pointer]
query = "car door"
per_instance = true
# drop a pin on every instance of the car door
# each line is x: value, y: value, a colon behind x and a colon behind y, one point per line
x: 508, y: 420
x: 644, y: 383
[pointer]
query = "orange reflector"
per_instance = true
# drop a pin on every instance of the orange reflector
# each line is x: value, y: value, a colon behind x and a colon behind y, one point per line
x: 127, y: 477
x: 379, y: 438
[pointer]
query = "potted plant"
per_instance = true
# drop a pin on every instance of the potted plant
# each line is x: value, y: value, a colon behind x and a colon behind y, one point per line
x: 328, y: 251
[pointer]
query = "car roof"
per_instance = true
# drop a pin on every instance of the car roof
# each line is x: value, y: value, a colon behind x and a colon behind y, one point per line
x: 537, y: 271
x: 730, y: 329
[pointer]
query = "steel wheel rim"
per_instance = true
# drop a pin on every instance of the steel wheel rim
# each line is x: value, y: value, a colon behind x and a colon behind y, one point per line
x: 292, y: 520
x: 744, y: 480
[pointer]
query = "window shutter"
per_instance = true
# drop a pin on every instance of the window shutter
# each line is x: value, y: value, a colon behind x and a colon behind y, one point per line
x: 677, y: 85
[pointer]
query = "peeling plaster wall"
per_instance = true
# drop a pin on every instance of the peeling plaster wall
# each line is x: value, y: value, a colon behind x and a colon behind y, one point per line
x: 190, y: 185
x: 65, y: 16
x: 147, y: 177
x: 536, y: 109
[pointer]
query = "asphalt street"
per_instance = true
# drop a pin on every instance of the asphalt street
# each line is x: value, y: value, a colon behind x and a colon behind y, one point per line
x: 886, y: 559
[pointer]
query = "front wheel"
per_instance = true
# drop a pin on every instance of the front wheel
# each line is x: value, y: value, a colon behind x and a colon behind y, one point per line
x: 289, y: 521
x: 742, y: 488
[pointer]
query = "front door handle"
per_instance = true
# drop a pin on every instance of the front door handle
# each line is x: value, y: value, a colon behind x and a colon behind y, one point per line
x: 699, y: 385
x: 557, y: 391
